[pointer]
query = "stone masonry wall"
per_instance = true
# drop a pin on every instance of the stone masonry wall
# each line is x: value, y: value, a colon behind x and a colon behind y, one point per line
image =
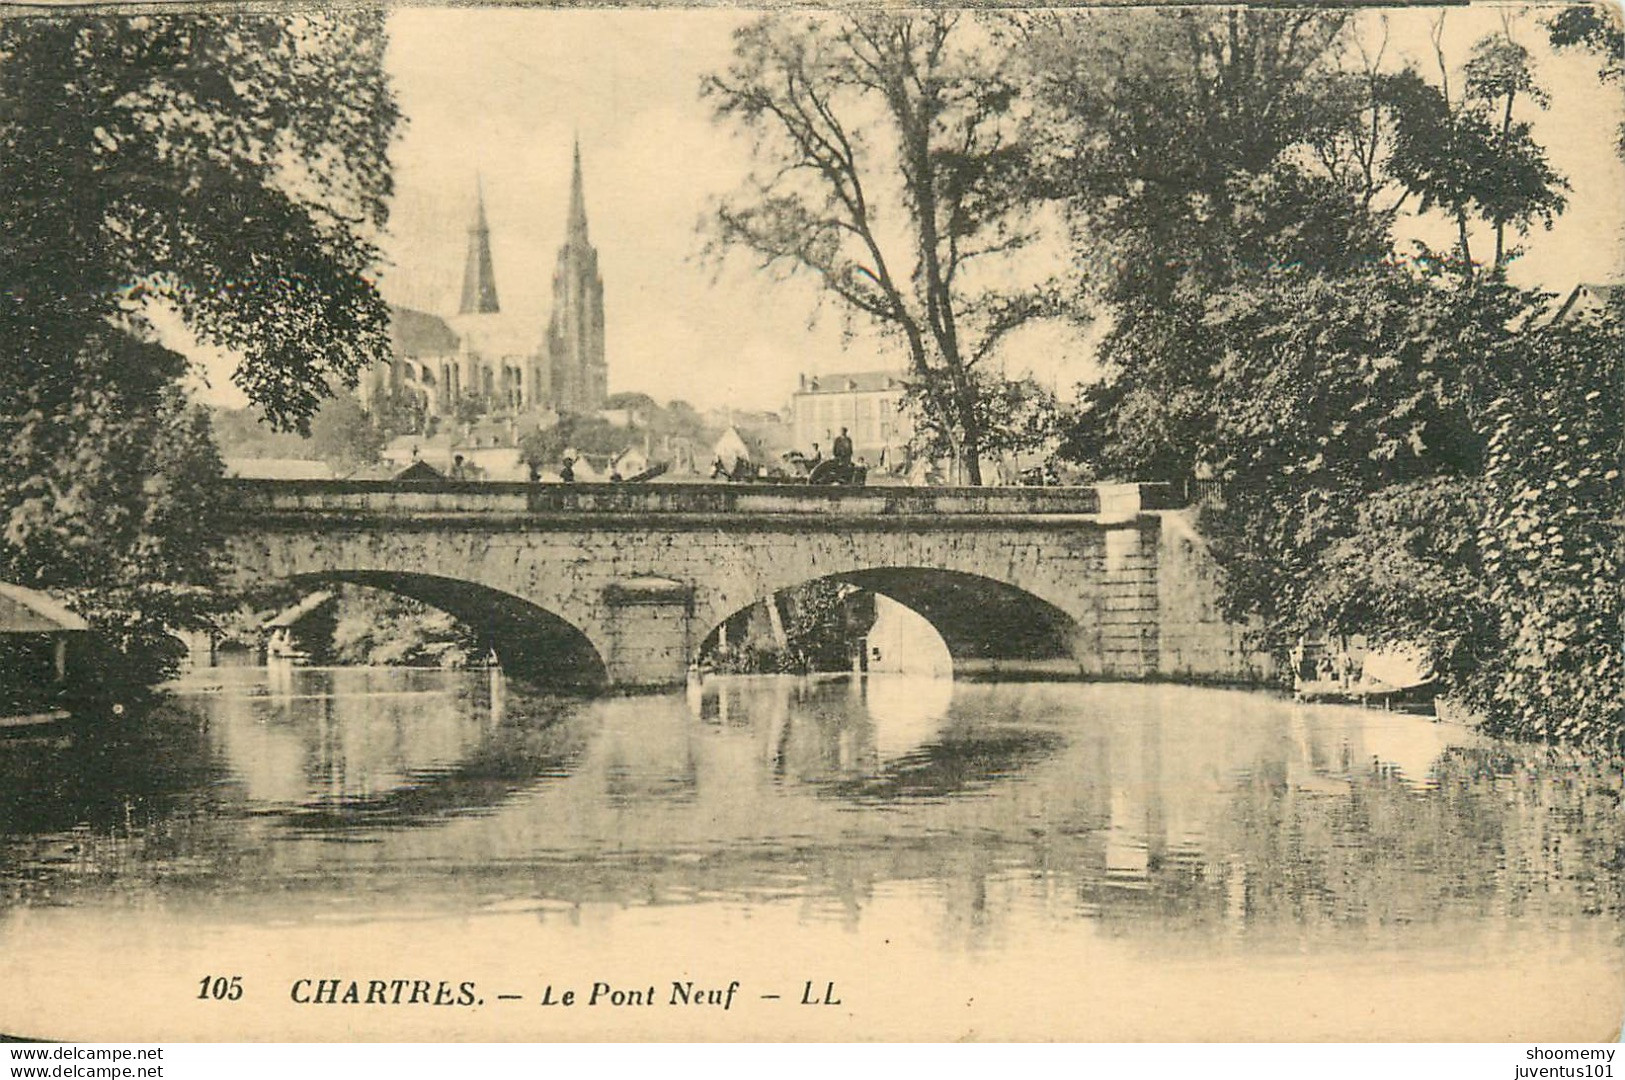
x: 645, y: 590
x: 1197, y: 643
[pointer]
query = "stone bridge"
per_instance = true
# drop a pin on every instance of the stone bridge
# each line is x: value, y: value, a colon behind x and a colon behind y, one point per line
x: 612, y: 585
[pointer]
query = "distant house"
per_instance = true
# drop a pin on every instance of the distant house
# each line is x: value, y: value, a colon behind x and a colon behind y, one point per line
x: 490, y: 450
x: 730, y: 448
x: 1587, y: 299
x: 403, y: 450
x: 867, y: 403
x: 591, y: 468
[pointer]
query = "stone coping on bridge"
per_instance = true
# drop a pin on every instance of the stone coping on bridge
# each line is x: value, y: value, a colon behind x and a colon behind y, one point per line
x: 454, y: 497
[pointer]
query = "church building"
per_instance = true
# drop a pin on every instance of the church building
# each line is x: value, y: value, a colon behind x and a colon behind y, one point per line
x: 483, y: 360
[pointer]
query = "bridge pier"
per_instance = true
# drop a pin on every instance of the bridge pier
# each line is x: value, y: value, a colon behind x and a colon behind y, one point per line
x: 646, y: 644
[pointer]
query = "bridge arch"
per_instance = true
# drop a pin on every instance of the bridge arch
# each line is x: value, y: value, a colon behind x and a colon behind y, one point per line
x: 984, y: 623
x: 531, y: 642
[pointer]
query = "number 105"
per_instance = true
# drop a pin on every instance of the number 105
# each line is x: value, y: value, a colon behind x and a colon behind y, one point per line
x: 220, y: 988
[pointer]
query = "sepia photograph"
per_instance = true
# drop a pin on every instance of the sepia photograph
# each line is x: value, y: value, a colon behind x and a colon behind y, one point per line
x: 528, y: 523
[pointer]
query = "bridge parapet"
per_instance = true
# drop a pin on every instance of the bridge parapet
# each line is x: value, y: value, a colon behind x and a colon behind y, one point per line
x: 392, y: 498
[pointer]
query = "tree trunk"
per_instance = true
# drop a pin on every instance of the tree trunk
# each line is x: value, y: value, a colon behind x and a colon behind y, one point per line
x: 972, y: 453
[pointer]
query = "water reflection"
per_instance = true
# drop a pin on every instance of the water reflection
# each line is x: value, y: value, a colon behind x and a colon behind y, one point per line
x: 1175, y: 815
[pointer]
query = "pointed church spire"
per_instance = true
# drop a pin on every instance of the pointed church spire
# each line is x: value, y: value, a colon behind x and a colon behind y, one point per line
x: 479, y: 279
x: 577, y: 227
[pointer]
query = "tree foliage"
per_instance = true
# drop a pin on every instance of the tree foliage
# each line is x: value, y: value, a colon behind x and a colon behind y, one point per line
x: 1550, y: 535
x: 1331, y: 389
x: 1408, y: 447
x: 346, y: 436
x: 1416, y: 462
x: 376, y: 627
x: 1015, y: 416
x: 116, y: 509
x: 1596, y: 27
x: 231, y: 170
x: 1203, y: 150
x: 1195, y: 147
x: 1470, y: 156
x: 1191, y: 142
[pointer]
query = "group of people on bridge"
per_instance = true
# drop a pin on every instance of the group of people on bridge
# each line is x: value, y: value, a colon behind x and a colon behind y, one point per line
x: 812, y: 468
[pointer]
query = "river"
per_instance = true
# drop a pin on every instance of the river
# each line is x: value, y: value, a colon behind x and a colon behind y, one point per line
x: 892, y: 857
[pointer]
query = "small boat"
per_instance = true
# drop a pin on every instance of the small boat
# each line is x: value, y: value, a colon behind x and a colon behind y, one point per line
x: 1417, y: 699
x: 1393, y: 677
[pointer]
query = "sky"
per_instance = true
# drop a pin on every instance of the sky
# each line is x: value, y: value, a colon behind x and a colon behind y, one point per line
x: 501, y: 94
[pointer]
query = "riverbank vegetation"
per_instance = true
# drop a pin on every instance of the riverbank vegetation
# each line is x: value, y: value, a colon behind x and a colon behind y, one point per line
x: 1406, y: 445
x: 352, y: 624
x: 816, y: 627
x: 149, y: 201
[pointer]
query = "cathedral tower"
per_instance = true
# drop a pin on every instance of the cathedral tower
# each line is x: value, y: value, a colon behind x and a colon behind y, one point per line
x: 575, y: 333
x: 479, y: 279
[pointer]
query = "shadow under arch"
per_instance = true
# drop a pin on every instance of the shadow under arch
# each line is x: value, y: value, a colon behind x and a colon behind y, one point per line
x: 979, y: 619
x: 533, y: 644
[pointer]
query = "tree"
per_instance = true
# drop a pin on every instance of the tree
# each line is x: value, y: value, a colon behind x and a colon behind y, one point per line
x: 1408, y: 449
x: 1189, y: 143
x: 231, y: 170
x: 117, y: 510
x: 1590, y: 26
x: 1331, y: 390
x: 1015, y: 416
x: 1469, y: 156
x: 1193, y: 148
x: 398, y: 411
x: 345, y: 435
x: 891, y: 175
x: 545, y: 447
x: 1405, y: 568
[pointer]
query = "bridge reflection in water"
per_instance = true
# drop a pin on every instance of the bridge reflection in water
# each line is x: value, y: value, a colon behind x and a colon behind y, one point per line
x: 1002, y: 818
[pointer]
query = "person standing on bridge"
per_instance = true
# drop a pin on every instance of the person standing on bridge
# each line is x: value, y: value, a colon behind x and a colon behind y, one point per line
x: 842, y: 450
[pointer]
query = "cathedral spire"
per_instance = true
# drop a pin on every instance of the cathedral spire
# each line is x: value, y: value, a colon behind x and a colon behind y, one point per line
x: 479, y: 279
x: 575, y: 334
x: 577, y: 228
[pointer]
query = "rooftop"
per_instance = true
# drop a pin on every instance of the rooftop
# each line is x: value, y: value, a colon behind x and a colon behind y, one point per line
x: 855, y: 382
x: 1589, y: 296
x: 417, y: 333
x: 29, y: 611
